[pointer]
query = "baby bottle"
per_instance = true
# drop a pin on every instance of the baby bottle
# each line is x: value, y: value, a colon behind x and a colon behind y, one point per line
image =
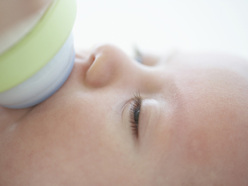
x: 38, y: 64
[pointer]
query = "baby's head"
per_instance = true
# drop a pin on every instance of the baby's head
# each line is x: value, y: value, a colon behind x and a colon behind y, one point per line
x: 181, y: 120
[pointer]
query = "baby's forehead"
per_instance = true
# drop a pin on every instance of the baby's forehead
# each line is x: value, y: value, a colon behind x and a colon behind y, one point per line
x: 237, y: 65
x: 228, y: 67
x: 214, y: 82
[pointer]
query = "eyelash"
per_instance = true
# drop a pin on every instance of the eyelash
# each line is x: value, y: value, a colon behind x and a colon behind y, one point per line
x: 134, y: 113
x: 138, y: 55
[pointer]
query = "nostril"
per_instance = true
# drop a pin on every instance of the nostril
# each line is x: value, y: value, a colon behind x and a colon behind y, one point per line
x: 91, y: 60
x: 100, y: 70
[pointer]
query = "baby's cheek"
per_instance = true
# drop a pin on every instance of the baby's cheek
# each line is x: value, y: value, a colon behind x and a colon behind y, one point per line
x: 213, y: 150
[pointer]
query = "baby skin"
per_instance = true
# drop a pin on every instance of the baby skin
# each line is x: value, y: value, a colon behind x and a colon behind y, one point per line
x: 181, y: 120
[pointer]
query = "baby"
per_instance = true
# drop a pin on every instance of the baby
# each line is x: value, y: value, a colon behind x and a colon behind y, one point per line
x: 182, y: 120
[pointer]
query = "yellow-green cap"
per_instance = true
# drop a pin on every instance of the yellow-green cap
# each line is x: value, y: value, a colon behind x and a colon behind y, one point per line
x: 39, y: 46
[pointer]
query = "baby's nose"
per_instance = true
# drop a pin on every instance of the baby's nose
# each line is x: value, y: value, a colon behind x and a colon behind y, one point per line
x: 107, y: 65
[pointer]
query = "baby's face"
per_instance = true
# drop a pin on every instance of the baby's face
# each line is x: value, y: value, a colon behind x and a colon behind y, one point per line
x: 176, y: 121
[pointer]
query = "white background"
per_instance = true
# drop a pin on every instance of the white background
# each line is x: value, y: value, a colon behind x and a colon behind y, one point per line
x: 162, y: 25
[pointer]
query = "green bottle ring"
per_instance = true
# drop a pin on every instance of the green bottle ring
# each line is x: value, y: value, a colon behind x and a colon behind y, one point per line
x: 39, y: 46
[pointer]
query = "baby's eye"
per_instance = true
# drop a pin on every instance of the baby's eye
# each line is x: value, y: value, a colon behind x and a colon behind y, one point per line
x: 144, y: 58
x: 134, y: 114
x: 138, y: 55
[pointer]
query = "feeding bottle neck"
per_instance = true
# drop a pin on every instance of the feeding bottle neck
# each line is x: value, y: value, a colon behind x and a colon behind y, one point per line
x: 13, y: 34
